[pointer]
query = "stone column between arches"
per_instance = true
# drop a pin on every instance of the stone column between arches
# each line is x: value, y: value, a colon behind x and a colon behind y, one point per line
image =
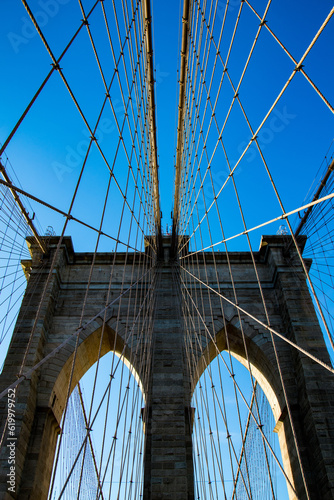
x: 168, y: 462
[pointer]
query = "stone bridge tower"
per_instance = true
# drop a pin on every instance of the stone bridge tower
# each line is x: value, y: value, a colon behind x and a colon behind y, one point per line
x: 168, y: 388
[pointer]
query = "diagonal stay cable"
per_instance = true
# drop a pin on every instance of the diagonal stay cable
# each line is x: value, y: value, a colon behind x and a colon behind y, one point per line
x: 329, y: 368
x: 247, y: 231
x: 61, y: 212
x: 302, y: 71
x: 54, y: 68
x: 28, y: 373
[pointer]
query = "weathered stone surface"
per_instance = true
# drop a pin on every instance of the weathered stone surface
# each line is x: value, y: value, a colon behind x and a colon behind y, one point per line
x: 167, y: 384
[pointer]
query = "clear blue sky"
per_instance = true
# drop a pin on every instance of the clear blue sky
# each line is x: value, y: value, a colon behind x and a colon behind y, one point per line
x: 53, y: 133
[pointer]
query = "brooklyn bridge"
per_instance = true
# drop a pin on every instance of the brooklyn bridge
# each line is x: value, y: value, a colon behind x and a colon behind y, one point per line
x: 167, y: 245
